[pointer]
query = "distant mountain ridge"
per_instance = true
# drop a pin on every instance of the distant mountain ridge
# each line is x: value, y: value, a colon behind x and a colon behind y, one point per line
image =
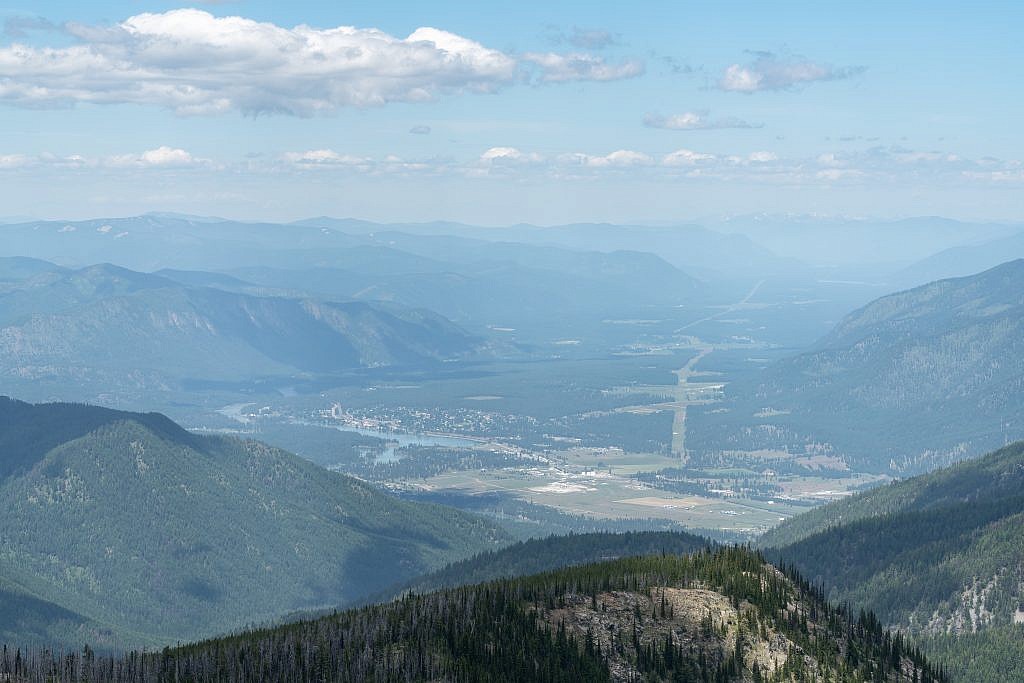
x: 124, y: 529
x: 836, y: 240
x: 963, y: 260
x: 705, y: 253
x: 109, y: 322
x: 539, y: 287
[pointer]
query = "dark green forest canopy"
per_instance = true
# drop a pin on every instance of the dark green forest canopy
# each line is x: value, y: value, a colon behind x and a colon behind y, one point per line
x: 28, y: 432
x: 524, y: 629
x: 554, y: 552
x: 939, y: 556
x: 92, y: 500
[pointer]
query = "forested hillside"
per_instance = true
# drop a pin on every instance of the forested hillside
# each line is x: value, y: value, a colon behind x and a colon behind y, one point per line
x: 940, y: 555
x: 555, y: 552
x: 713, y: 616
x: 911, y: 382
x: 137, y: 531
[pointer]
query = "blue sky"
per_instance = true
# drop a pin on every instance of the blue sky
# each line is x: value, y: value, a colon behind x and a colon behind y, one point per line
x: 505, y: 112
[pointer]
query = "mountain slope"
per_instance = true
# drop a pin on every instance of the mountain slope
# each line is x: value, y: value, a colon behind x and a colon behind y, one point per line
x: 132, y: 522
x: 106, y: 321
x: 912, y: 381
x: 940, y: 555
x: 31, y: 621
x: 13, y: 268
x: 528, y: 298
x: 721, y: 616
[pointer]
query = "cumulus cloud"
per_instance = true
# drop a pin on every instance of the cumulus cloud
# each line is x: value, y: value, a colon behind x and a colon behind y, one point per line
x: 161, y: 157
x: 558, y: 68
x: 762, y: 157
x: 871, y: 165
x: 508, y: 155
x: 691, y: 120
x: 323, y: 157
x: 685, y: 157
x: 618, y: 159
x: 329, y: 160
x: 879, y: 164
x: 836, y: 174
x: 46, y: 159
x: 773, y: 72
x: 195, y: 63
x: 14, y: 160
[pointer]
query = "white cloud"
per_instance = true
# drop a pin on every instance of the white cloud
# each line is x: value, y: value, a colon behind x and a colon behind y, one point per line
x: 998, y: 177
x: 873, y: 165
x: 14, y: 160
x: 558, y: 68
x: 835, y: 174
x: 692, y: 120
x: 762, y: 157
x: 772, y: 72
x: 18, y: 161
x: 166, y: 156
x: 194, y: 63
x: 327, y: 160
x: 324, y: 158
x: 161, y: 157
x: 618, y: 159
x: 685, y: 157
x: 508, y: 155
x: 829, y: 159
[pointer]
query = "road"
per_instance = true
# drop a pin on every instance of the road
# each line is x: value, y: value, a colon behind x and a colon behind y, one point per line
x: 689, y: 370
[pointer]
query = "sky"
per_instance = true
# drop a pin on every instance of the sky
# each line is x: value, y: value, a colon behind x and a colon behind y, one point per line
x: 503, y: 112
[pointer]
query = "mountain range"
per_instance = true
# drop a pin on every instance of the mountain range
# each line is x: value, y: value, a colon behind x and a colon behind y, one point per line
x: 105, y: 325
x: 709, y: 254
x: 542, y: 289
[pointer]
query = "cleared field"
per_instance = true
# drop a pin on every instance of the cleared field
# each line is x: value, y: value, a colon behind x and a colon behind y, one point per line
x: 609, y: 496
x: 614, y: 460
x: 826, y: 489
